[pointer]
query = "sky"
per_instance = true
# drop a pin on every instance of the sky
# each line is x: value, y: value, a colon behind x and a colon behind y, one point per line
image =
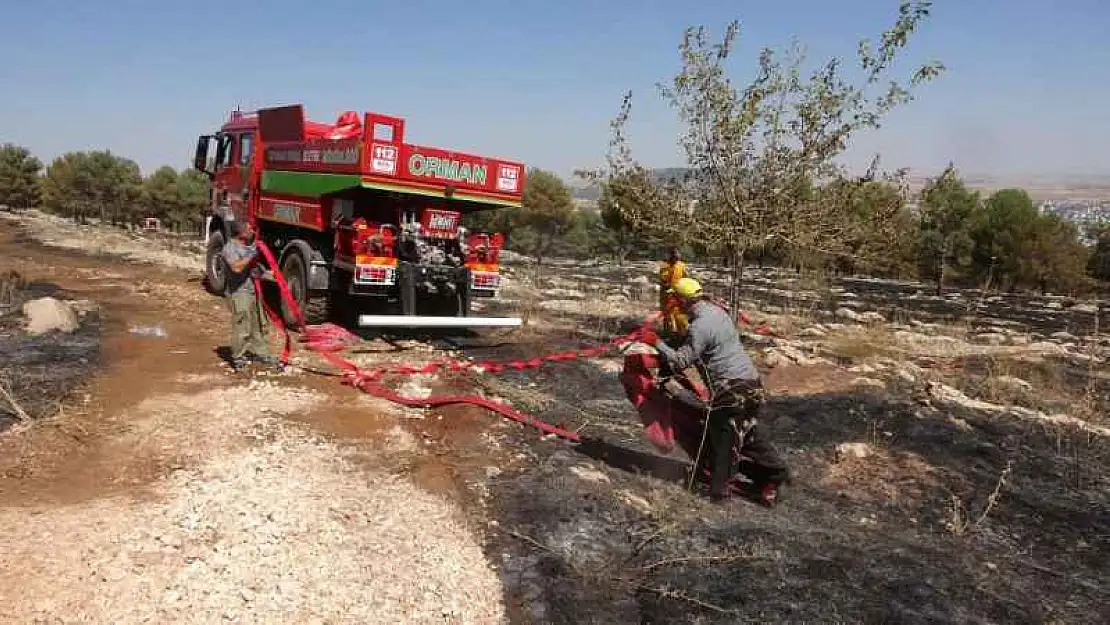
x: 1025, y: 92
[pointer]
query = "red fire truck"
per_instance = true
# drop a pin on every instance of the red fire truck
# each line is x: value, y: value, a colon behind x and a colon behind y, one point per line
x: 360, y: 220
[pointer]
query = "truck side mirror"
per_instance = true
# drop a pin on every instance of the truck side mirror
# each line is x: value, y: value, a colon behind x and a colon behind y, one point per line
x: 200, y: 157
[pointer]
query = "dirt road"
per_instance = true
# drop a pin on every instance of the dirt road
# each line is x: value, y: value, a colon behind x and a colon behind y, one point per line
x: 170, y: 490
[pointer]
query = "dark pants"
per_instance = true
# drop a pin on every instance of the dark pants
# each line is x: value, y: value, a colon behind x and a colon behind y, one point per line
x: 733, y: 414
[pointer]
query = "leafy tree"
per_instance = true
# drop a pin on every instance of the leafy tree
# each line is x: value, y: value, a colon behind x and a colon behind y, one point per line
x: 160, y: 194
x: 117, y: 187
x: 1098, y: 264
x: 546, y: 209
x: 947, y: 209
x: 82, y: 185
x: 755, y: 155
x: 1001, y: 234
x: 1055, y: 260
x: 587, y: 237
x: 19, y: 177
x: 890, y: 250
x: 64, y: 187
x: 492, y: 220
x: 620, y: 235
x: 193, y: 195
x: 179, y: 199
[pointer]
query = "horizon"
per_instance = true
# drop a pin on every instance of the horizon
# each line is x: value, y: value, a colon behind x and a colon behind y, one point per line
x: 1021, y: 79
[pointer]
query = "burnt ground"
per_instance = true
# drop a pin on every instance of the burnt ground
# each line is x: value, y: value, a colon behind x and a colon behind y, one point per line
x: 604, y: 533
x: 929, y: 527
x: 772, y: 288
x: 42, y: 370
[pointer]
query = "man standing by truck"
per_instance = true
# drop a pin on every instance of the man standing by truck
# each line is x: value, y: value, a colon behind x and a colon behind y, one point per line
x: 241, y: 256
x: 714, y: 345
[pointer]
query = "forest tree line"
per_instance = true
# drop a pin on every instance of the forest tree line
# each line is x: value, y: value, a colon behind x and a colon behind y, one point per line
x: 956, y: 235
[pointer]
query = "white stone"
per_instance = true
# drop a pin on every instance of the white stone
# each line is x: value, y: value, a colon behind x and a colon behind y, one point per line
x: 47, y: 314
x: 872, y: 317
x: 852, y: 450
x: 847, y: 314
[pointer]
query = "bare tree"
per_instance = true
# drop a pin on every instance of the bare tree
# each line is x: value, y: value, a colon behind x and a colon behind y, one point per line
x: 761, y: 159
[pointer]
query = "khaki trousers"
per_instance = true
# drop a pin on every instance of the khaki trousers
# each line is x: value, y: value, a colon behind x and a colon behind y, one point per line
x: 247, y: 329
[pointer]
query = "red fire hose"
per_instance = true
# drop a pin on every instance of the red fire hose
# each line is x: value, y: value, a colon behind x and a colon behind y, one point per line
x: 328, y: 339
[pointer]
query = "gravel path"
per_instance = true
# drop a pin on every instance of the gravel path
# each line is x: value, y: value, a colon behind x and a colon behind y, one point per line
x: 271, y: 525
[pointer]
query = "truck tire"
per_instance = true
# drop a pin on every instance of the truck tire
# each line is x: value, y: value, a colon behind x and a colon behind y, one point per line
x: 314, y: 307
x: 295, y: 271
x: 215, y: 270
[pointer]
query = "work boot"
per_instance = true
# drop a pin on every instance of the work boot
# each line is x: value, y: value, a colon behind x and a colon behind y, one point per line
x: 269, y: 361
x: 719, y: 497
x: 769, y: 494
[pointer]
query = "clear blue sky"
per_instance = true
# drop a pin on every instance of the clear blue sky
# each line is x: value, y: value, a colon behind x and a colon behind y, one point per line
x: 1026, y: 90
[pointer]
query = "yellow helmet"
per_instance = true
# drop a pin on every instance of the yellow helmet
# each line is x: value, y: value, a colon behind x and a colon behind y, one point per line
x: 687, y: 287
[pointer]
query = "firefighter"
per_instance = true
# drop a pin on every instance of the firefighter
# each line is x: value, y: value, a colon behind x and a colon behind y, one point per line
x: 671, y: 271
x: 242, y: 258
x: 713, y: 344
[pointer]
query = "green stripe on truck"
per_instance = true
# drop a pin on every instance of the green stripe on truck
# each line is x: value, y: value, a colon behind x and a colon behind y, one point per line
x: 307, y: 184
x: 314, y: 185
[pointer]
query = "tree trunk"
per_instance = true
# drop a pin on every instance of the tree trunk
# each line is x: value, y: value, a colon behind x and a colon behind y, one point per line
x: 541, y: 251
x: 942, y: 265
x: 736, y: 261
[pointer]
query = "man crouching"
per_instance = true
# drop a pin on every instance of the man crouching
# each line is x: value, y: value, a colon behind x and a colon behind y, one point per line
x: 242, y: 258
x: 713, y: 344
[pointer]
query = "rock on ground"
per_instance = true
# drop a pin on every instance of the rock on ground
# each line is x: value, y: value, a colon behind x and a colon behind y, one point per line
x: 852, y: 450
x: 47, y: 314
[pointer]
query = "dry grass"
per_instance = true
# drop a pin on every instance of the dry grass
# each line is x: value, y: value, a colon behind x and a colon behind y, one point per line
x: 884, y: 477
x: 862, y: 343
x: 960, y: 522
x: 10, y: 400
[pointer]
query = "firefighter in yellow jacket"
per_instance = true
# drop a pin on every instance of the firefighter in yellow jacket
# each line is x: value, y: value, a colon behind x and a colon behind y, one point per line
x: 670, y: 272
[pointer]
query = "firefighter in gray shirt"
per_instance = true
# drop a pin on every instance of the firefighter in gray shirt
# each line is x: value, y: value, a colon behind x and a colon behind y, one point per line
x: 713, y: 345
x: 241, y: 257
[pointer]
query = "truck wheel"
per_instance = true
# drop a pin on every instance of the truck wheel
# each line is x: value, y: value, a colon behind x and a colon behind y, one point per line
x: 215, y: 271
x: 296, y: 276
x: 341, y: 307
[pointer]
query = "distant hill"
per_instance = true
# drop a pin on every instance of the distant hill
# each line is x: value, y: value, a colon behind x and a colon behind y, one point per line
x: 1041, y: 188
x: 585, y: 191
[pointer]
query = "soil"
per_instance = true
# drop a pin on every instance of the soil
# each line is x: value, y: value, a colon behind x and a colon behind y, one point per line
x: 167, y: 489
x: 149, y: 457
